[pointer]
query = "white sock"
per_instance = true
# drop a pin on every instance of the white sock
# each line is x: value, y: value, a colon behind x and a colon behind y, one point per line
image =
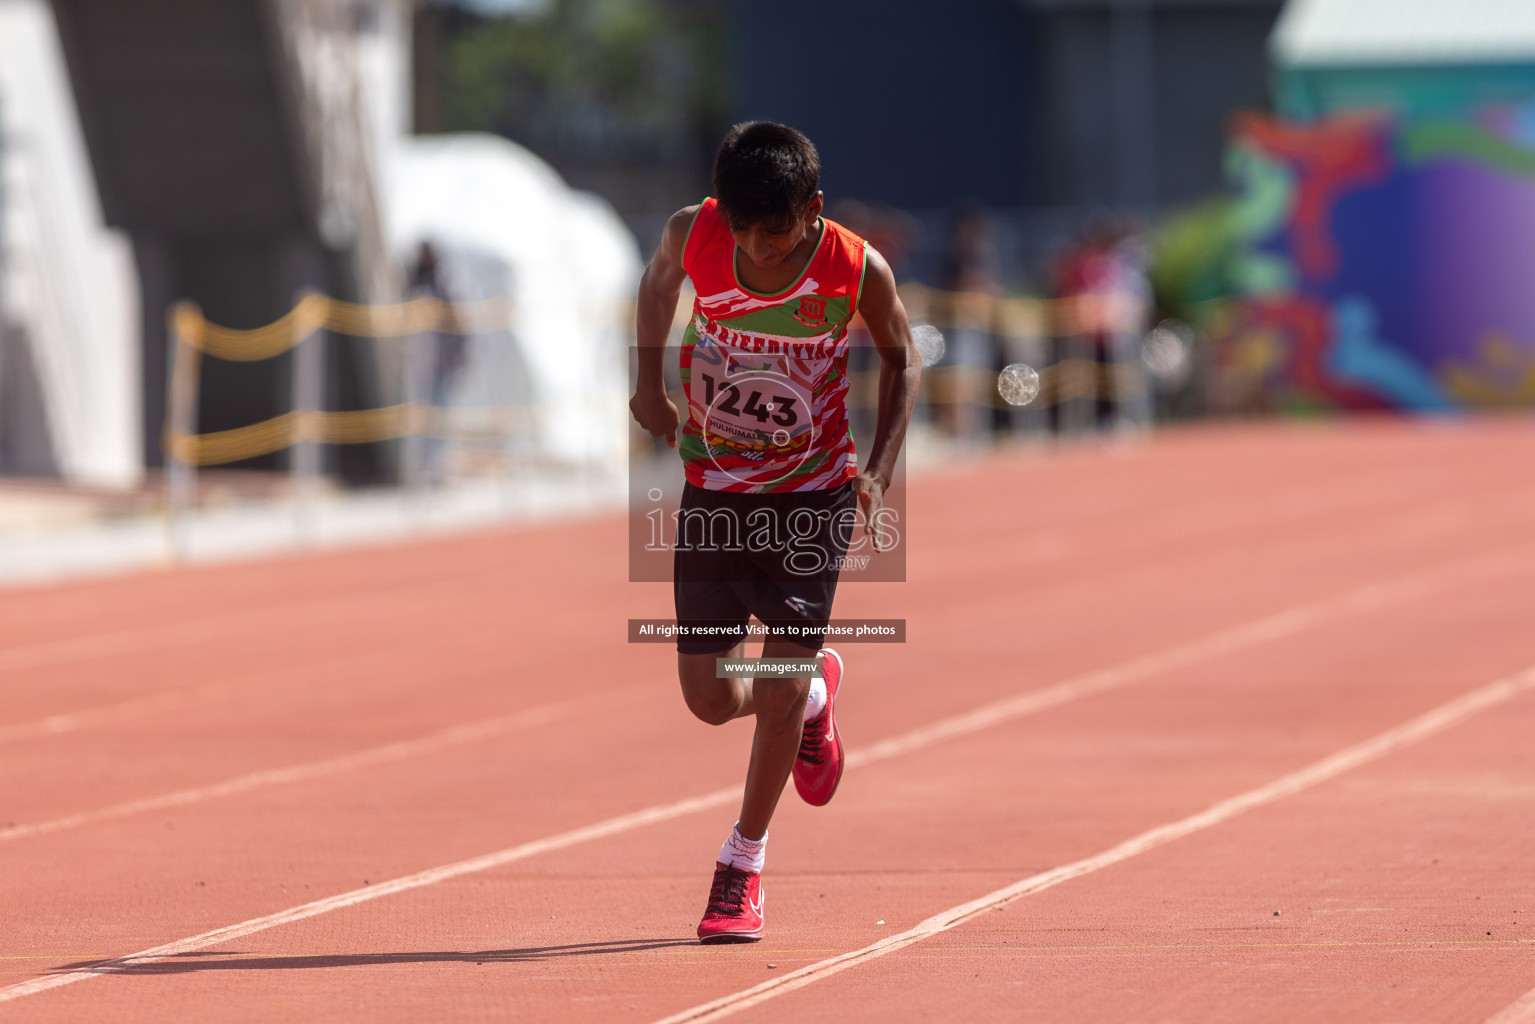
x: 742, y: 853
x: 816, y: 702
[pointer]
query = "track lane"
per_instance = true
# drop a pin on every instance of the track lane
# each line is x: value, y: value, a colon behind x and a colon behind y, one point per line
x: 1003, y: 751
x: 260, y: 720
x: 216, y: 693
x: 222, y: 712
x: 904, y: 696
x: 1239, y: 505
x: 1389, y: 881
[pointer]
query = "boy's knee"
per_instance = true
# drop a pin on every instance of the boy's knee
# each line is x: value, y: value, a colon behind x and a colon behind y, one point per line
x: 779, y: 697
x: 712, y: 700
x: 714, y: 706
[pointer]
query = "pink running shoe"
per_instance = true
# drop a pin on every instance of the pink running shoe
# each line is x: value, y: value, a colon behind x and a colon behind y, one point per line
x: 818, y: 768
x: 735, y: 907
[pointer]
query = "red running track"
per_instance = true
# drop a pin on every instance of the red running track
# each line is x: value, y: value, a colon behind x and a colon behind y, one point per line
x: 1150, y: 697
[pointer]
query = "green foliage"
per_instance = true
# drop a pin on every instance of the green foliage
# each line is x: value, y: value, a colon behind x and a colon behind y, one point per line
x: 1191, y: 263
x: 592, y: 78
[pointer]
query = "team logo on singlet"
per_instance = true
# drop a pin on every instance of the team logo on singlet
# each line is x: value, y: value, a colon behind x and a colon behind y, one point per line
x: 812, y: 311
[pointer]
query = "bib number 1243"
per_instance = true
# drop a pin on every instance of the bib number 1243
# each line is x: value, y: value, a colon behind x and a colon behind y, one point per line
x: 759, y: 405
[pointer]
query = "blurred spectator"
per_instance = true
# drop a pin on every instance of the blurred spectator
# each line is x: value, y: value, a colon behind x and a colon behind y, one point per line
x: 1101, y: 280
x: 434, y: 364
x: 447, y: 348
x: 971, y: 275
x: 971, y: 262
x: 893, y: 232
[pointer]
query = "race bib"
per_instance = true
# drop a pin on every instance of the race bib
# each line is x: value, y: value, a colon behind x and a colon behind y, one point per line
x: 750, y: 401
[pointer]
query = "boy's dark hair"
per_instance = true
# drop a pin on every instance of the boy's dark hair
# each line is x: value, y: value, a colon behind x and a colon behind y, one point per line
x: 765, y: 173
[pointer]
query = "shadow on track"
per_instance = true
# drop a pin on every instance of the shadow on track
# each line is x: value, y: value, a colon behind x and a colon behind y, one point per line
x: 187, y: 963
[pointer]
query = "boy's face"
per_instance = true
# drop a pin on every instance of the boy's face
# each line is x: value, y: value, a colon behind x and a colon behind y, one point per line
x: 769, y: 244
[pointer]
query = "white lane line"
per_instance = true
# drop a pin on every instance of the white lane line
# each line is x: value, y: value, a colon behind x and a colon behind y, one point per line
x: 468, y: 732
x: 165, y: 700
x: 211, y: 629
x: 1372, y: 597
x: 248, y: 623
x: 208, y: 629
x: 1271, y: 627
x: 1425, y: 725
x: 1520, y: 1011
x: 187, y: 696
x: 564, y: 840
x: 1368, y: 598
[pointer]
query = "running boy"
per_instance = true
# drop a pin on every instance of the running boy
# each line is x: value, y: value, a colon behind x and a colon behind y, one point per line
x: 772, y: 479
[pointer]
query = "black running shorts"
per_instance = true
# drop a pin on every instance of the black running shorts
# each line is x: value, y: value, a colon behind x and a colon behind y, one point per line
x: 775, y: 556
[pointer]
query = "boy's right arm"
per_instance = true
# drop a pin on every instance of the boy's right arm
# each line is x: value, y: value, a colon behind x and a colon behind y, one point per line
x: 654, y: 311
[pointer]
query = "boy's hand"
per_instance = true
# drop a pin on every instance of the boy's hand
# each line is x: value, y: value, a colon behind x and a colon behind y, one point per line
x: 657, y: 414
x: 871, y: 498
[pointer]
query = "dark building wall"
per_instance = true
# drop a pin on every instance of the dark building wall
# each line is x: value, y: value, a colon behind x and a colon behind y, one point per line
x: 196, y: 138
x: 1135, y: 97
x: 1209, y: 63
x: 1075, y: 122
x: 911, y: 104
x: 1019, y: 103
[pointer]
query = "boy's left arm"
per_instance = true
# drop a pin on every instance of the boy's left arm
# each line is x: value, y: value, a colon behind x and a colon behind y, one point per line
x: 900, y: 370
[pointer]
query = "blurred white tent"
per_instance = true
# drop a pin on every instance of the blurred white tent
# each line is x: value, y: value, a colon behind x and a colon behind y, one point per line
x: 570, y: 270
x: 69, y: 388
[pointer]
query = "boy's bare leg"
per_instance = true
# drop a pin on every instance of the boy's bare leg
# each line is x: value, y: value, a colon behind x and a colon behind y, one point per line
x: 779, y: 706
x: 712, y: 700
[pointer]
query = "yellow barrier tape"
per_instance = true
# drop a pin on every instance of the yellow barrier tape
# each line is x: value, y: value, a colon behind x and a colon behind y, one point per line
x: 316, y: 311
x: 1012, y: 317
x: 1021, y: 318
x: 360, y: 426
x: 952, y: 385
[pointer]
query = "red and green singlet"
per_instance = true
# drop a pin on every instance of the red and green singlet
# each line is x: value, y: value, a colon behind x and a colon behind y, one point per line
x: 766, y: 375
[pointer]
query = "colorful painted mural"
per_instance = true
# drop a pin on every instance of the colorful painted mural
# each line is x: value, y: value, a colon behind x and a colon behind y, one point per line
x: 1383, y: 264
